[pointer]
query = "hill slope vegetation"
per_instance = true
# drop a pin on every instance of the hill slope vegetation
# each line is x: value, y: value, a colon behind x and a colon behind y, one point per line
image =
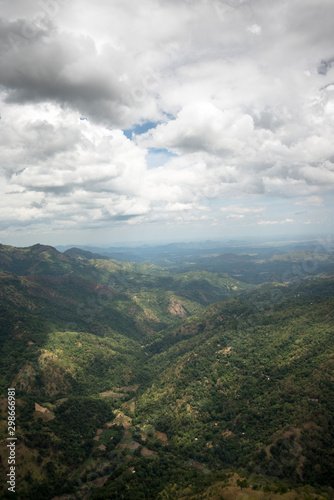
x: 131, y: 385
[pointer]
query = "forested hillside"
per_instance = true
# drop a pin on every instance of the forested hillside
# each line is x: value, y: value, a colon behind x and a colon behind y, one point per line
x: 137, y: 381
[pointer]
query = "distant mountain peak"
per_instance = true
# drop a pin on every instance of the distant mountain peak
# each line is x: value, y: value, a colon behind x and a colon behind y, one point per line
x: 84, y: 254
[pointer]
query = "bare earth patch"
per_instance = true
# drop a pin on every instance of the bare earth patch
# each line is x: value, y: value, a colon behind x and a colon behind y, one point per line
x: 111, y: 394
x: 132, y: 445
x: 176, y: 308
x: 227, y: 433
x: 43, y: 412
x: 123, y: 420
x: 147, y: 453
x: 162, y: 437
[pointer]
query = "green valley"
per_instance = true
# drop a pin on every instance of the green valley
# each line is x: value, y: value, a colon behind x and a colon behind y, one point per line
x: 143, y: 381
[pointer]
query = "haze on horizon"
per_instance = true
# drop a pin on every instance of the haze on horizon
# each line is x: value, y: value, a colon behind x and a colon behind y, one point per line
x: 166, y: 121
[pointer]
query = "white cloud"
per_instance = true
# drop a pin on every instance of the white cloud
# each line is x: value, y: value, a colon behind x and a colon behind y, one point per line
x: 201, y: 126
x: 246, y: 105
x: 255, y: 29
x: 235, y: 216
x: 241, y: 209
x: 273, y: 222
x: 311, y: 201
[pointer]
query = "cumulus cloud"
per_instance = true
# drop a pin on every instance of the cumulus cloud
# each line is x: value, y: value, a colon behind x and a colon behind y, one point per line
x: 201, y: 126
x: 238, y: 106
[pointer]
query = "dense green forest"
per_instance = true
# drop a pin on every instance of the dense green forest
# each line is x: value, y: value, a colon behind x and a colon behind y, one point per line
x: 140, y: 381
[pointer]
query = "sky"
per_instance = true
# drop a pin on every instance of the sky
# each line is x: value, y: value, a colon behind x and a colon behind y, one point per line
x: 165, y: 120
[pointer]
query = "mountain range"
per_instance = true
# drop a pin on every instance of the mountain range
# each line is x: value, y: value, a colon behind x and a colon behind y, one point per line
x: 179, y: 381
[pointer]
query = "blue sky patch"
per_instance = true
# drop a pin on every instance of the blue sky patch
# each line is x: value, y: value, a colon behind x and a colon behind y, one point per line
x: 158, y: 157
x: 140, y: 129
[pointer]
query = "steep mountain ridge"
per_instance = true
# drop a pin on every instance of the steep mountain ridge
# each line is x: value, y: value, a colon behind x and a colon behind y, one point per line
x: 37, y: 259
x: 131, y: 372
x: 128, y: 304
